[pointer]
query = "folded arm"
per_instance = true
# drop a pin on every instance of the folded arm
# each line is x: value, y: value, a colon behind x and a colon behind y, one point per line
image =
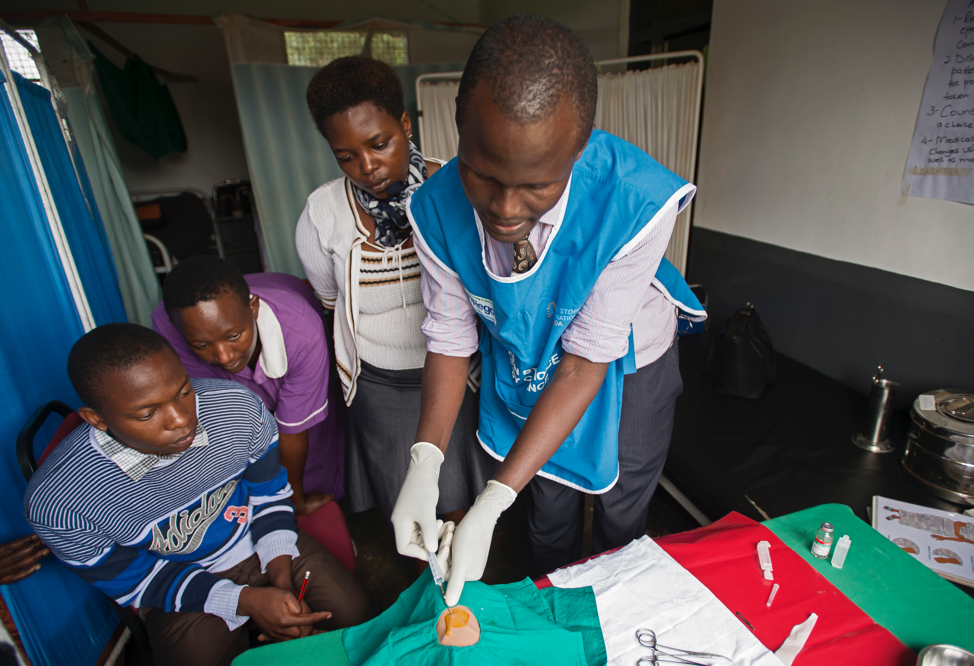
x: 137, y: 576
x: 272, y: 513
x: 303, y: 404
x: 316, y: 257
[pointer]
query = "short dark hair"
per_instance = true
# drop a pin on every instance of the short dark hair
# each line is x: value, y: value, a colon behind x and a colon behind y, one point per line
x: 347, y: 82
x: 106, y: 348
x: 202, y: 278
x: 531, y: 63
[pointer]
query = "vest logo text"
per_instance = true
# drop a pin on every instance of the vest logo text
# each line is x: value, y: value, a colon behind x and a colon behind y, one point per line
x: 484, y: 307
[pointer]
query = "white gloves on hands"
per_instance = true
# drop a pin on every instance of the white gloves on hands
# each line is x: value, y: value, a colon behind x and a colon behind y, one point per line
x: 414, y: 516
x: 443, y: 554
x: 461, y: 554
x: 444, y: 533
x: 471, y: 543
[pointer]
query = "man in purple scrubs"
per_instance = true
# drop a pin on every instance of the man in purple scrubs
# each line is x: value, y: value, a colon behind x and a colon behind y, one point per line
x: 265, y: 331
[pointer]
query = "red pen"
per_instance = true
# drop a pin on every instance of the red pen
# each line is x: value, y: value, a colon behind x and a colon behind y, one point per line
x: 304, y: 586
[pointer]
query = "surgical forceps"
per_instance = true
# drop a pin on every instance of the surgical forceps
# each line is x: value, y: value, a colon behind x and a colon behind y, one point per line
x: 647, y: 638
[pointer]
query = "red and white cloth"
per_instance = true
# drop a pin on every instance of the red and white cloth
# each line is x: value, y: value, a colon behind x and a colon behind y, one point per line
x: 723, y: 557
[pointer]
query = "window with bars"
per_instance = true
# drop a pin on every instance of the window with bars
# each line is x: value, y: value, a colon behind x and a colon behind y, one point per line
x: 19, y: 58
x: 317, y: 49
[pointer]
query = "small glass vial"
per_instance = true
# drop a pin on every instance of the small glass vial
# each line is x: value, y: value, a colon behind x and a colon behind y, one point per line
x: 823, y: 541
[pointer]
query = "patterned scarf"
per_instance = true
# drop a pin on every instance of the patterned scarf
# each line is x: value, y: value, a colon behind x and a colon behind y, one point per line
x: 391, y: 224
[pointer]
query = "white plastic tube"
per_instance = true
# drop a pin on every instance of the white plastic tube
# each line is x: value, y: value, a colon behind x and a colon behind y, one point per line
x: 764, y: 556
x: 841, y: 550
x: 774, y: 591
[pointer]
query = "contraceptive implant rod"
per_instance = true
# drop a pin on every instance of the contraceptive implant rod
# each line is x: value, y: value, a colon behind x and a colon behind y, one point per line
x: 774, y: 591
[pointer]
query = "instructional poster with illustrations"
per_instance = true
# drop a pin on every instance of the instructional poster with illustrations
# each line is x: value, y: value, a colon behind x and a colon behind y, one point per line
x: 942, y: 540
x: 941, y: 161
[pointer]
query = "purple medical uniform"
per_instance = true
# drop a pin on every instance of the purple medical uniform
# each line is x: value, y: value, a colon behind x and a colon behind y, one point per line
x: 291, y: 375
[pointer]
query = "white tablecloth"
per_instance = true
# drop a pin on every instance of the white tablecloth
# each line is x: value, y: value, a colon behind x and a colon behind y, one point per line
x: 641, y: 586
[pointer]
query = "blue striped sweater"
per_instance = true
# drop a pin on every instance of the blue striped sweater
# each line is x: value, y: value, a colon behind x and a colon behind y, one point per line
x: 155, y: 542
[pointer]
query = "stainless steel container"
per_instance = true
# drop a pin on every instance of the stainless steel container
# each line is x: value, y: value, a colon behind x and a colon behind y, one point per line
x: 945, y: 655
x: 940, y: 447
x: 873, y: 436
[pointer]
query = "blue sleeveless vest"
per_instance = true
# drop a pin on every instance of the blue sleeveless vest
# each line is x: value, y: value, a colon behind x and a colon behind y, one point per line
x: 616, y: 193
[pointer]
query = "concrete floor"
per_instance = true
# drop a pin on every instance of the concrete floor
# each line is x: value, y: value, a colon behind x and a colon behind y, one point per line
x: 385, y: 574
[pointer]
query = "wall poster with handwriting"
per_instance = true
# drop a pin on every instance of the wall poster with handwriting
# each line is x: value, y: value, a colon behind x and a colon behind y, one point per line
x: 941, y: 162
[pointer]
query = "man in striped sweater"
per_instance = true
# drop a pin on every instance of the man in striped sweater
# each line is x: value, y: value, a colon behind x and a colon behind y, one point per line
x: 171, y: 499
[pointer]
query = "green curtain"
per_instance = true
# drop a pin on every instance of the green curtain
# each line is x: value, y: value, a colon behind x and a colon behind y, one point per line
x: 136, y: 277
x: 141, y: 106
x: 286, y: 155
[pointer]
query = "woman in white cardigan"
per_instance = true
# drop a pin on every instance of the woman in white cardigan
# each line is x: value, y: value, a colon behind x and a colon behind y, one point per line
x: 356, y: 246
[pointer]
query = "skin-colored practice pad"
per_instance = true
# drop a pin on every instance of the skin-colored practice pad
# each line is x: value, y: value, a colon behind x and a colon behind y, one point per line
x: 457, y: 627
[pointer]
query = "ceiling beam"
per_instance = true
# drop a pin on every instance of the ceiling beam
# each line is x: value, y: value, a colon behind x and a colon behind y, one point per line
x: 21, y: 15
x: 12, y: 16
x: 121, y: 48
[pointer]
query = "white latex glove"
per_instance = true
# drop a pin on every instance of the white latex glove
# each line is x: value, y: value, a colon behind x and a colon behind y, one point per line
x: 471, y: 543
x: 443, y: 554
x: 414, y: 516
x: 444, y: 534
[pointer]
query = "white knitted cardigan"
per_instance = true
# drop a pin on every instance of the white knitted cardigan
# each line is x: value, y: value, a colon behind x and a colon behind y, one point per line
x: 330, y: 226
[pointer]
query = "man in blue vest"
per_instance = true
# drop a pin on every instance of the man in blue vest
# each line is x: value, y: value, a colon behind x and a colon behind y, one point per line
x: 552, y: 236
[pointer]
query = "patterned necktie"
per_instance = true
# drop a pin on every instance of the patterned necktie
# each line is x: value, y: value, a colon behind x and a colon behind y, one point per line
x: 524, y: 256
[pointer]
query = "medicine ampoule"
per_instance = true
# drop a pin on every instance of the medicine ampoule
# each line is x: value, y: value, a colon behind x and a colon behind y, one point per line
x: 823, y: 541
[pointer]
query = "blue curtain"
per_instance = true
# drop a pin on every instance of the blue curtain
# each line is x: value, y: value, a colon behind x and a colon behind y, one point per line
x: 63, y: 621
x: 286, y: 155
x: 75, y: 204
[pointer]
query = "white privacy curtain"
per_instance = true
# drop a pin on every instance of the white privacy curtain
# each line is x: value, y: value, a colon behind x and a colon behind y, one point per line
x: 657, y: 110
x: 437, y: 130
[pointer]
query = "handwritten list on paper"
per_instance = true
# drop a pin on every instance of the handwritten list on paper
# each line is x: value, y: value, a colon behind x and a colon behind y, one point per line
x: 941, y: 162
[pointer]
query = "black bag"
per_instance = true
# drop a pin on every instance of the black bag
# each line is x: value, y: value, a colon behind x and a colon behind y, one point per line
x: 742, y: 357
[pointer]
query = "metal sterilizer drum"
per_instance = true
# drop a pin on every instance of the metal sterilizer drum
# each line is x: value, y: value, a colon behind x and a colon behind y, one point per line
x: 940, y: 448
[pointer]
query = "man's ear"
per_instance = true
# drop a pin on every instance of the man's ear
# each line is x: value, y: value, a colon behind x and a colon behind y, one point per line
x: 585, y: 145
x: 93, y: 418
x: 254, y: 305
